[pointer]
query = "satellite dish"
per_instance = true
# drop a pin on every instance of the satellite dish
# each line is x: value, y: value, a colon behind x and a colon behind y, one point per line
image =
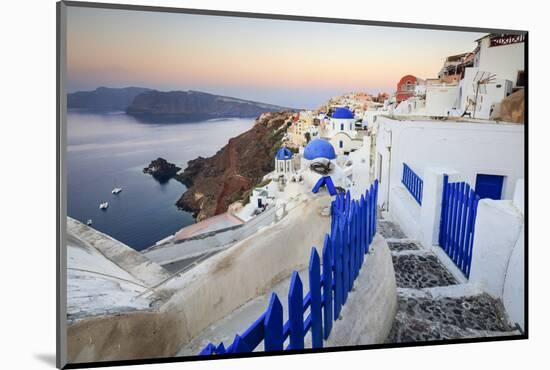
x: 481, y: 80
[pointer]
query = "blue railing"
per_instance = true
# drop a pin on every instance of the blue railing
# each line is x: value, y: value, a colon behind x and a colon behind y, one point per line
x: 353, y: 226
x: 457, y: 228
x: 413, y: 183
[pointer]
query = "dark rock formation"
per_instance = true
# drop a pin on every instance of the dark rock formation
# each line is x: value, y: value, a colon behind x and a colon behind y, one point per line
x: 158, y: 106
x: 104, y: 99
x: 161, y: 169
x: 216, y: 182
x: 512, y: 108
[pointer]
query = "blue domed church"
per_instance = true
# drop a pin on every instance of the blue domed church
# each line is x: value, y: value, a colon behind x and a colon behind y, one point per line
x: 319, y: 148
x: 341, y: 131
x: 319, y: 167
x: 284, y: 161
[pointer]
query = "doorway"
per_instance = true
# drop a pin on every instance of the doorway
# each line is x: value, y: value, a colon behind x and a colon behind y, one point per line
x: 489, y: 186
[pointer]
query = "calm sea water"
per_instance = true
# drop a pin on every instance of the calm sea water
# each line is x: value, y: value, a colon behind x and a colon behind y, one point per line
x: 108, y: 150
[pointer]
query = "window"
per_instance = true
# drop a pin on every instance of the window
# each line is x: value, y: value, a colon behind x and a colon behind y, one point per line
x: 341, y: 144
x: 350, y: 126
x: 342, y: 126
x: 489, y: 186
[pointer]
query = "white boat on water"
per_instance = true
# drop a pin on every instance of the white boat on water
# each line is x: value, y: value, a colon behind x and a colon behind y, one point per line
x: 104, y: 205
x: 116, y: 190
x: 89, y: 222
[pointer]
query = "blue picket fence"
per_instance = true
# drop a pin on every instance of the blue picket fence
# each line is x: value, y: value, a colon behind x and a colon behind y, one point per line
x: 412, y: 182
x: 353, y: 226
x: 457, y: 228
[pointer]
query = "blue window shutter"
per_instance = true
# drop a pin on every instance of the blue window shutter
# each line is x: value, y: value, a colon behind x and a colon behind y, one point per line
x: 489, y: 186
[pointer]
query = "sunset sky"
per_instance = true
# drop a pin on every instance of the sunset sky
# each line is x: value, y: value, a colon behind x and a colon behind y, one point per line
x: 297, y: 64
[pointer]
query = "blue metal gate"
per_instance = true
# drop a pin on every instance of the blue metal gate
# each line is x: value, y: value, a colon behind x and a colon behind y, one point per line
x: 457, y: 228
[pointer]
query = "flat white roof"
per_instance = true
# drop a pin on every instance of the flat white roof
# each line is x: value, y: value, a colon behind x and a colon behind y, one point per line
x: 427, y: 119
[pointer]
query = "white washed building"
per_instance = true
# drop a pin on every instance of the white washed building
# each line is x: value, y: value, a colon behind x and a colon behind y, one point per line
x: 500, y: 60
x: 284, y: 162
x: 340, y: 131
x: 440, y: 97
x: 467, y: 148
x: 486, y: 155
x: 502, y: 55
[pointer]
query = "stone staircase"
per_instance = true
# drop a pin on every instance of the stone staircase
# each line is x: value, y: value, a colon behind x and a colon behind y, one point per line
x: 432, y: 303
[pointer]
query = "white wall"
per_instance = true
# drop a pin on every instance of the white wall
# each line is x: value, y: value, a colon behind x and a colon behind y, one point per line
x: 207, y: 293
x: 382, y: 163
x: 498, y: 252
x: 513, y: 293
x: 349, y: 126
x: 346, y: 142
x: 361, y: 167
x: 505, y: 61
x: 468, y: 148
x: 514, y: 283
x: 497, y: 229
x: 519, y: 195
x: 439, y: 99
x: 405, y: 211
x: 498, y: 255
x: 369, y: 117
x: 369, y: 312
x: 412, y: 106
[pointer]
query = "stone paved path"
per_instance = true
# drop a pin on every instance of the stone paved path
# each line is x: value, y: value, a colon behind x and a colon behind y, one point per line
x: 433, y: 305
x: 420, y: 271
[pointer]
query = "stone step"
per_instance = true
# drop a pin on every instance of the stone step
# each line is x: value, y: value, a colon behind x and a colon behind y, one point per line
x: 420, y: 270
x: 438, y: 292
x: 400, y: 245
x: 389, y: 229
x: 425, y: 319
x: 425, y: 331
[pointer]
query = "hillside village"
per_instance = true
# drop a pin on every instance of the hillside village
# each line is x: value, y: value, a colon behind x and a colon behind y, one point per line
x: 445, y: 155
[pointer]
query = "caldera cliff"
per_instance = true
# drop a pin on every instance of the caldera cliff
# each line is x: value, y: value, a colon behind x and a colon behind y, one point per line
x: 216, y: 182
x: 177, y: 106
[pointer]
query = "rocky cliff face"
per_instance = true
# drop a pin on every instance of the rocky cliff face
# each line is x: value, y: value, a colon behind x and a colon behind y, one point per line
x: 216, y: 182
x: 193, y: 105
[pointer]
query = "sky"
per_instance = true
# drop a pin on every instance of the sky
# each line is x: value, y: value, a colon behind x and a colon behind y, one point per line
x: 289, y: 63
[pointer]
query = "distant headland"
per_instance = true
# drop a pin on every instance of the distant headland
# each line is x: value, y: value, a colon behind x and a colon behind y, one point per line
x: 104, y: 99
x: 149, y: 105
